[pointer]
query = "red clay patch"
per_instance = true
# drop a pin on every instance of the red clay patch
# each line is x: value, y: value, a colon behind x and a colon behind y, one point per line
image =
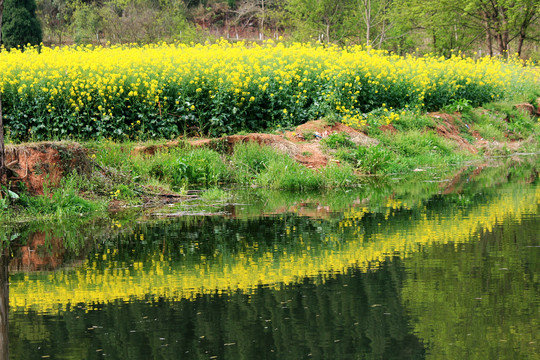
x: 40, y: 163
x: 449, y: 130
x: 302, y: 144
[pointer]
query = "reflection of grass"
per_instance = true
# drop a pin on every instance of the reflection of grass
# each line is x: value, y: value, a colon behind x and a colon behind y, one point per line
x: 74, y: 235
x: 296, y: 251
x: 215, y: 194
x: 497, y: 303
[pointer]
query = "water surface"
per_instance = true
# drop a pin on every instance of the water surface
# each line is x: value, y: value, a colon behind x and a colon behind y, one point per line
x: 443, y: 268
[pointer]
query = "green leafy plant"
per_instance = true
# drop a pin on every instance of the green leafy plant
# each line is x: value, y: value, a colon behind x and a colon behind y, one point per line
x: 373, y: 159
x: 7, y: 198
x: 338, y: 140
x: 20, y: 25
x: 459, y: 105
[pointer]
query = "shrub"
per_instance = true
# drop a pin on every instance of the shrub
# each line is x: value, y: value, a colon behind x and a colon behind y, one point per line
x: 20, y: 25
x: 198, y: 166
x: 373, y: 159
x: 338, y: 140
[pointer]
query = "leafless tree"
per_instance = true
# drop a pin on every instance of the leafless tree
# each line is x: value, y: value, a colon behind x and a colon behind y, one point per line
x: 374, y: 16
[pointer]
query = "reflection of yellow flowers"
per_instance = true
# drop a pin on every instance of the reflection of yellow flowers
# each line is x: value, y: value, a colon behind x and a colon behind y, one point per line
x: 99, y: 282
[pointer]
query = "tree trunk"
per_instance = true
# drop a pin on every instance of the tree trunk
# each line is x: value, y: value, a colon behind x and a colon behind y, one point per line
x: 263, y: 13
x: 3, y: 169
x: 489, y: 38
x: 529, y: 16
x: 502, y: 40
x: 520, y: 42
x: 328, y: 32
x: 367, y: 8
x: 503, y: 35
x: 383, y: 34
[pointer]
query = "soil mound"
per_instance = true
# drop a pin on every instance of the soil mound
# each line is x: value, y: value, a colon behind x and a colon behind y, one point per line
x: 302, y: 144
x: 448, y: 129
x: 37, y: 164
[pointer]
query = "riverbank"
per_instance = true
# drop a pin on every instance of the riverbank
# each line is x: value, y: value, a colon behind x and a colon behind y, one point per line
x: 62, y: 179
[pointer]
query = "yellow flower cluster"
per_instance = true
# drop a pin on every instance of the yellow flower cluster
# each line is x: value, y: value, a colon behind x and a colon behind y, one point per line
x: 163, y: 90
x: 106, y: 278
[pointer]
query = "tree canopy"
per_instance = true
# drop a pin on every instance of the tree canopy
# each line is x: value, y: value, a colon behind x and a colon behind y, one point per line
x: 20, y: 24
x: 487, y: 27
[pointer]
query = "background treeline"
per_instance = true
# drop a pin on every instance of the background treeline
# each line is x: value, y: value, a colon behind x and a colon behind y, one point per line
x: 487, y: 27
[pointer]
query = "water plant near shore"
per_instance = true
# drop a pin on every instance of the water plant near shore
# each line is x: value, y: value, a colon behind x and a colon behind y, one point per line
x: 162, y: 91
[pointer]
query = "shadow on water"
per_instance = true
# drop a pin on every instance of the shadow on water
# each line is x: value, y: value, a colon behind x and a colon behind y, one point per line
x: 387, y: 271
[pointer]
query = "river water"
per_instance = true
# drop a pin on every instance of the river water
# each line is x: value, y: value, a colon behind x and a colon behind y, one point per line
x: 436, y: 268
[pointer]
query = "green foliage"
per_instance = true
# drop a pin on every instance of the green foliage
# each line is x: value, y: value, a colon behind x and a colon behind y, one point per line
x: 339, y: 175
x: 62, y: 202
x: 250, y: 159
x: 414, y: 143
x: 338, y: 140
x: 55, y: 16
x: 519, y: 123
x: 183, y: 166
x: 285, y: 173
x: 459, y: 105
x: 266, y: 167
x: 199, y: 166
x: 450, y: 26
x: 7, y: 198
x: 87, y: 23
x: 215, y: 194
x: 325, y: 20
x: 500, y: 121
x: 413, y: 121
x: 20, y: 25
x: 407, y: 150
x: 373, y: 159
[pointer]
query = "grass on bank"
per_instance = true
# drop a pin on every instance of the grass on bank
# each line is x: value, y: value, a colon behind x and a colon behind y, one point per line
x: 121, y: 174
x: 185, y: 167
x: 68, y: 199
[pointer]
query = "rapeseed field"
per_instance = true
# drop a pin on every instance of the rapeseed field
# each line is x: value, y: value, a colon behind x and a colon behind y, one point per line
x: 164, y: 90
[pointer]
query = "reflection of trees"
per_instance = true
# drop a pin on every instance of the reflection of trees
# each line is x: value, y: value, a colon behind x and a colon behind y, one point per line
x: 4, y: 303
x: 479, y: 300
x: 357, y: 313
